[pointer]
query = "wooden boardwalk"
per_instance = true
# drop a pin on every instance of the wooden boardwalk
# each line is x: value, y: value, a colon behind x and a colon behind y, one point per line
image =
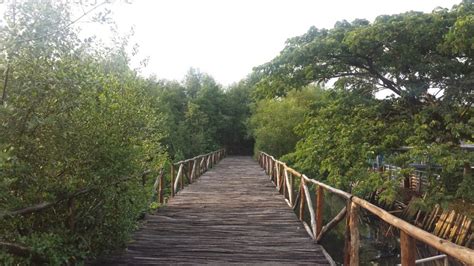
x: 231, y: 215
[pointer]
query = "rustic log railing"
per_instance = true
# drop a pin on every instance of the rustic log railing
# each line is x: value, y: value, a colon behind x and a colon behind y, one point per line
x: 186, y: 172
x: 285, y: 179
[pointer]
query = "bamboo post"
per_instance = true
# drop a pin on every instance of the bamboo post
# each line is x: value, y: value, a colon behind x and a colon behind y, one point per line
x: 354, y: 231
x: 408, y: 249
x: 319, y: 209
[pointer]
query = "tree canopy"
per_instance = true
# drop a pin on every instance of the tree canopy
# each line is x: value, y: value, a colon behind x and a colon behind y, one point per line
x: 424, y: 62
x: 79, y: 128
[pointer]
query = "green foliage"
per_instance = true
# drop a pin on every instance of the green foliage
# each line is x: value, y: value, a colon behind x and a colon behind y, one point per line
x: 72, y: 119
x: 339, y: 136
x: 237, y: 111
x: 201, y: 117
x: 79, y: 128
x: 273, y: 121
x: 433, y: 52
x: 427, y: 69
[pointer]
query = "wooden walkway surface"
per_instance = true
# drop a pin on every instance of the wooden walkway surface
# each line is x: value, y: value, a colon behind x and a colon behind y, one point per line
x: 230, y: 215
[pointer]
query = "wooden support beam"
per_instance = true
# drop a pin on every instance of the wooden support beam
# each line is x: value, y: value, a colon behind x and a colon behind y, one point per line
x: 289, y: 187
x: 179, y: 177
x: 311, y: 210
x: 339, y: 217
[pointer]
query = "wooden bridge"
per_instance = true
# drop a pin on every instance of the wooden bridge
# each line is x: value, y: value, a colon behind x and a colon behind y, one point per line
x: 232, y: 214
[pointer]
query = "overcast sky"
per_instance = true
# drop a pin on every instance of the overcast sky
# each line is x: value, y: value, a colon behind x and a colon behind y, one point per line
x: 227, y: 38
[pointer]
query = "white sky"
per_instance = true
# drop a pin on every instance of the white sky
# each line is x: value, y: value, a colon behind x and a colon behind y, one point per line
x: 227, y: 38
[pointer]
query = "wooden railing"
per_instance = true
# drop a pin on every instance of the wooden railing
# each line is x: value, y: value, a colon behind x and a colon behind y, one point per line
x: 186, y: 171
x: 299, y: 198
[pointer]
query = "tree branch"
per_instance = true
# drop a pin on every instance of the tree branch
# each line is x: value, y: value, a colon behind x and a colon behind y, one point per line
x: 22, y: 251
x: 45, y: 205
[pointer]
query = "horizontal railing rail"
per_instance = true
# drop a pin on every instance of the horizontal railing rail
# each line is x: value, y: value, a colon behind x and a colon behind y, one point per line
x: 284, y: 178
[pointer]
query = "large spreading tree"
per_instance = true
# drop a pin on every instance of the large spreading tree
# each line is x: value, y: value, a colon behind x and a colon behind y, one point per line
x: 422, y: 61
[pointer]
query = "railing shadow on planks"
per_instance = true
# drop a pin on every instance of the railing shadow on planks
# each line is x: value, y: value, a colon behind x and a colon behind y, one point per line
x: 190, y: 168
x: 284, y: 179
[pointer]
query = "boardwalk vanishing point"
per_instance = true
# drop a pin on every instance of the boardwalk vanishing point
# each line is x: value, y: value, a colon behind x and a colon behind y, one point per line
x: 231, y: 215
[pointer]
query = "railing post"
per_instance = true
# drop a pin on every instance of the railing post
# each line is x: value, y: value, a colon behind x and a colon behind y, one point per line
x: 347, y: 236
x: 353, y: 225
x: 160, y: 188
x: 302, y: 200
x: 278, y: 173
x: 408, y: 249
x: 319, y: 209
x: 190, y: 171
x: 290, y: 189
x: 172, y: 180
x: 267, y: 162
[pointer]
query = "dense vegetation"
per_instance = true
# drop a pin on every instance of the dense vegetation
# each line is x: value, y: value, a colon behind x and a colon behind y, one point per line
x: 79, y: 127
x: 423, y: 61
